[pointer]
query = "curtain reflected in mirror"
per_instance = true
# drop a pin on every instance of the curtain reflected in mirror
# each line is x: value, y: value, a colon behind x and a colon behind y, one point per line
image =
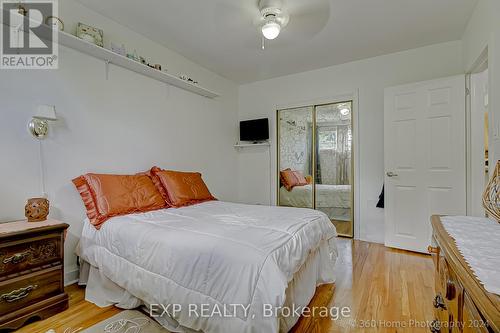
x: 315, y: 161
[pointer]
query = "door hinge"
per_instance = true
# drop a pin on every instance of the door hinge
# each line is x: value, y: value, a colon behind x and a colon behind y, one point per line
x: 467, y: 91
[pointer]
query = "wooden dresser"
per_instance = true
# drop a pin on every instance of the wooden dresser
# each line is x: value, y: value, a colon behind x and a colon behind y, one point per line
x: 31, y: 271
x: 461, y: 303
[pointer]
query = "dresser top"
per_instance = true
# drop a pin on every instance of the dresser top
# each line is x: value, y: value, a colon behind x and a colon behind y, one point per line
x: 488, y: 303
x: 16, y: 227
x: 477, y: 241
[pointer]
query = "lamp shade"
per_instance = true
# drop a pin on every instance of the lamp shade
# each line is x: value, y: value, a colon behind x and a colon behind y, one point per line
x: 46, y: 112
x: 271, y: 30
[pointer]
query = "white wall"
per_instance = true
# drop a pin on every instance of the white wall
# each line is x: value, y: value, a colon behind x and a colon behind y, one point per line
x: 130, y: 122
x: 369, y: 77
x: 121, y: 125
x: 483, y: 31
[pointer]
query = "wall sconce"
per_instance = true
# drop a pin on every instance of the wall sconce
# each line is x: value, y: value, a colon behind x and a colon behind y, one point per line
x: 39, y: 125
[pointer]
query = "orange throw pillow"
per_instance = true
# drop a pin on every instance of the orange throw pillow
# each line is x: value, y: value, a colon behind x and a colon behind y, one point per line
x: 184, y: 188
x: 301, y: 180
x: 88, y: 200
x: 159, y: 186
x: 288, y: 179
x: 115, y: 195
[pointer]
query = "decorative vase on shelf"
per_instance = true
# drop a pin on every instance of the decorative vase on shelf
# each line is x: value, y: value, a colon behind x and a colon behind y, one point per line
x: 36, y: 209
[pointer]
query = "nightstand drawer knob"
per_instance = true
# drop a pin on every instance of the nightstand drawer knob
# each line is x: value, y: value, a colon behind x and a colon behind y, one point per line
x: 439, y: 302
x: 18, y: 294
x: 16, y: 258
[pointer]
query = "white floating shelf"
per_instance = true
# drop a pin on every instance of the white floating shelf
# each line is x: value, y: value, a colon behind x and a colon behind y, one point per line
x: 106, y: 55
x: 248, y: 145
x: 78, y: 44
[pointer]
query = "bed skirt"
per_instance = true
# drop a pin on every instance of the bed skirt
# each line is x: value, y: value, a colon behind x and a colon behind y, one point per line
x: 103, y: 292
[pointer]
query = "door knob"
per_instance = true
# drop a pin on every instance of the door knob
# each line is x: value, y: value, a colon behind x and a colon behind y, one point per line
x: 391, y: 174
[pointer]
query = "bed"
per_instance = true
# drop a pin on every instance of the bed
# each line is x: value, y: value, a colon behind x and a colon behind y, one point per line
x: 217, y: 254
x: 334, y: 200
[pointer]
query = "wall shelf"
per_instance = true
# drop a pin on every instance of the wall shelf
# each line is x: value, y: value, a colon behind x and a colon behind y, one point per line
x: 248, y: 145
x: 110, y: 57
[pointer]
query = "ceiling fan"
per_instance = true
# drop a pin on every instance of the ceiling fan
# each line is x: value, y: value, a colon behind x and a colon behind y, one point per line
x: 270, y: 19
x: 273, y: 19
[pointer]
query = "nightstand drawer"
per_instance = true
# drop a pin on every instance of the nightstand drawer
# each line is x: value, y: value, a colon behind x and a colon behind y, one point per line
x: 23, y: 291
x: 19, y: 256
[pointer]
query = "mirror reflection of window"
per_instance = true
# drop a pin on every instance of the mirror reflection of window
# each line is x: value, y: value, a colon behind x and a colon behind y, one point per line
x: 333, y: 191
x: 327, y: 138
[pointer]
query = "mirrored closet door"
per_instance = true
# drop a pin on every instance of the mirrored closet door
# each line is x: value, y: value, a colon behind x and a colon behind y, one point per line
x: 295, y: 151
x: 315, y: 165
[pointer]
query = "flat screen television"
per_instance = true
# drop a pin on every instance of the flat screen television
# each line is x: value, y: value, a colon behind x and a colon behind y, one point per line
x: 254, y: 130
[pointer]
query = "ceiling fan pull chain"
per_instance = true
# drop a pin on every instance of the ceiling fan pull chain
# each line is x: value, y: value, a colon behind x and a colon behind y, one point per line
x: 263, y: 43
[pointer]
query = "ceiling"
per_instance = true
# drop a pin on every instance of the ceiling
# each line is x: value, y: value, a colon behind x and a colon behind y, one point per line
x: 220, y: 34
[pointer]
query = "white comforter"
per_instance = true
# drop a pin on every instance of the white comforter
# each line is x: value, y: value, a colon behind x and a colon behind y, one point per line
x: 214, y: 253
x: 327, y: 196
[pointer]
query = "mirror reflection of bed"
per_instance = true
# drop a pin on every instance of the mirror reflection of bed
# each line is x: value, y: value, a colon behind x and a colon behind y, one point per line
x: 315, y: 161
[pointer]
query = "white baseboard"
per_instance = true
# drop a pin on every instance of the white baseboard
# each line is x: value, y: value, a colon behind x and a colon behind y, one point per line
x: 71, y: 275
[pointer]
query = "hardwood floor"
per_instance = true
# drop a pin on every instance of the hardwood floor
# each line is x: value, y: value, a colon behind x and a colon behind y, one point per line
x: 382, y: 287
x: 81, y: 314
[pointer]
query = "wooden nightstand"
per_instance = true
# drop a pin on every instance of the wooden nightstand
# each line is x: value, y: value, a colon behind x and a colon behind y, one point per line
x: 31, y: 271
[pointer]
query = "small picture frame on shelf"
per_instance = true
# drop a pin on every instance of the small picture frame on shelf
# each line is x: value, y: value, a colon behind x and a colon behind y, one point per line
x: 90, y: 34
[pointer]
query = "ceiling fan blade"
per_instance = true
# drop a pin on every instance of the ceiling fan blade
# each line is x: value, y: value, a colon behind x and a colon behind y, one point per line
x: 241, y: 18
x: 234, y: 14
x: 238, y: 18
x: 300, y: 7
x: 307, y: 19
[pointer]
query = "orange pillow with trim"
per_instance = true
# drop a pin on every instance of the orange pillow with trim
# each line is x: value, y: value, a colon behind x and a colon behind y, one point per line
x: 301, y: 180
x: 151, y: 173
x: 115, y: 195
x: 88, y: 200
x: 184, y: 188
x: 288, y: 179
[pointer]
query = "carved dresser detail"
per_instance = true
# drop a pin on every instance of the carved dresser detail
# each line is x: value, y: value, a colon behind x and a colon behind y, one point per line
x: 31, y: 271
x: 461, y: 303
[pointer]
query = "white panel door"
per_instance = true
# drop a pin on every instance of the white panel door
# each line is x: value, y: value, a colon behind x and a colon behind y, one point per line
x: 425, y: 142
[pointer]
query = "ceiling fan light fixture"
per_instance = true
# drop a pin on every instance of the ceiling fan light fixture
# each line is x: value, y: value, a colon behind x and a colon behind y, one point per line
x: 271, y: 29
x: 273, y: 18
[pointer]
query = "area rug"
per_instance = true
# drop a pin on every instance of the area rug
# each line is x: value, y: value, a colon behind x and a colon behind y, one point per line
x: 122, y: 323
